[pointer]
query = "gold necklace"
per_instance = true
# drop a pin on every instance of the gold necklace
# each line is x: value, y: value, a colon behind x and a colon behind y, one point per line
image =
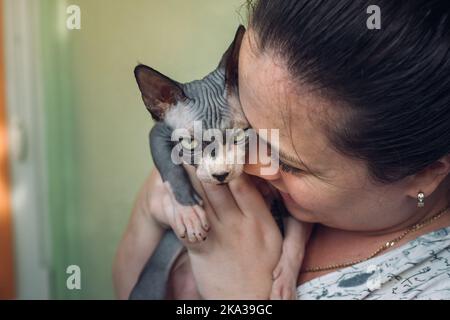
x: 384, y: 247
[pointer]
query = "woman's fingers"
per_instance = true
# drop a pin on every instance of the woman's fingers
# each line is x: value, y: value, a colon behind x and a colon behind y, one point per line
x: 221, y: 199
x: 247, y: 196
x: 169, y: 210
x: 208, y: 216
x: 202, y: 216
x: 239, y: 197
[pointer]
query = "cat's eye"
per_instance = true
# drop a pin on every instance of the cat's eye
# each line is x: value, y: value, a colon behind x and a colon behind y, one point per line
x: 189, y: 143
x: 239, y: 137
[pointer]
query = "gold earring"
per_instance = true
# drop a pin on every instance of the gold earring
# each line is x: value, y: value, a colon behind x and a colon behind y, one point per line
x: 420, y: 199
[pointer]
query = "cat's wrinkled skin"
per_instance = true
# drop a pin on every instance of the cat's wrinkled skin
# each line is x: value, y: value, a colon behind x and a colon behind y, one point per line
x: 213, y: 102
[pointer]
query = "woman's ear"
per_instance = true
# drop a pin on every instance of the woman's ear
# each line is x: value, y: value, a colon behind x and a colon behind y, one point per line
x: 159, y: 92
x: 429, y: 179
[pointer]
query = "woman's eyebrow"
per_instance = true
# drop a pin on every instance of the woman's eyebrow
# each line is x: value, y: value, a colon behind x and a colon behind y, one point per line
x: 284, y: 156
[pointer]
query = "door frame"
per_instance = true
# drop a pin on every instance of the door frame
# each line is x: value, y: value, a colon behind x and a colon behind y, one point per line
x: 28, y: 164
x: 7, y: 283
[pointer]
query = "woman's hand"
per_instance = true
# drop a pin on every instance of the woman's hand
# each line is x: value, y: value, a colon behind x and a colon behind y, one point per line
x: 244, y: 244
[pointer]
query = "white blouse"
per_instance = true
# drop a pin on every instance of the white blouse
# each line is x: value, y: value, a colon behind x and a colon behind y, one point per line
x: 419, y: 269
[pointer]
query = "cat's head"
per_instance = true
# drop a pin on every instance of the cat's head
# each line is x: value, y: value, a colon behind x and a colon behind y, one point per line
x: 212, y: 102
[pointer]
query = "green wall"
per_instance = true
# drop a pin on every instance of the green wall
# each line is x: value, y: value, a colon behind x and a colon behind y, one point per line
x: 97, y: 126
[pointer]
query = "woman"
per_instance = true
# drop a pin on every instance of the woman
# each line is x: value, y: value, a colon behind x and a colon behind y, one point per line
x: 364, y: 120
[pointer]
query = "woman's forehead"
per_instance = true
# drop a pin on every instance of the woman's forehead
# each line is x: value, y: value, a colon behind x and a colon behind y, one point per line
x: 270, y: 101
x: 261, y: 86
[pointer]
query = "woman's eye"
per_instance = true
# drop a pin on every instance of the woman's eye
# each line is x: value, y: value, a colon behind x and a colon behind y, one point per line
x: 287, y: 168
x: 189, y: 143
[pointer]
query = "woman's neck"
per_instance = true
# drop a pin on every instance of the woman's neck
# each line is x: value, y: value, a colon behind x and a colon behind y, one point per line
x: 329, y: 246
x: 333, y: 246
x: 434, y: 204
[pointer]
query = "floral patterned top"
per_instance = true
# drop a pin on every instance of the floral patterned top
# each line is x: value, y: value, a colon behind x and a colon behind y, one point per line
x: 419, y: 269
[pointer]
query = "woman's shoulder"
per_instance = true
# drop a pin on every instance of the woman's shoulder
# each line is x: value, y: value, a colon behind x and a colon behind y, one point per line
x: 420, y: 269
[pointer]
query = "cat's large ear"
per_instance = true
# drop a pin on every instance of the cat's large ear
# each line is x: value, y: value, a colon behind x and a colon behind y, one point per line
x: 230, y: 59
x: 158, y: 91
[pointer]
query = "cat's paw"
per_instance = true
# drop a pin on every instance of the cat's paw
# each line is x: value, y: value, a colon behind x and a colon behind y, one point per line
x: 187, y: 220
x: 284, y: 286
x: 191, y: 222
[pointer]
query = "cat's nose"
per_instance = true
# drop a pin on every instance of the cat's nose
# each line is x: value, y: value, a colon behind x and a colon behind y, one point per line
x: 221, y: 177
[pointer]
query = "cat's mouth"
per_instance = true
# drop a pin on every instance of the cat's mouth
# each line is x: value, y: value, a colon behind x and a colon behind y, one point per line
x: 213, y: 180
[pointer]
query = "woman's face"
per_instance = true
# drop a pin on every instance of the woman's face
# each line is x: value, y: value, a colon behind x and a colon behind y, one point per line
x: 340, y: 194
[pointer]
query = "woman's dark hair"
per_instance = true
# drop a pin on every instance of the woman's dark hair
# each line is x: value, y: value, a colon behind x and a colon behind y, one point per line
x: 395, y: 81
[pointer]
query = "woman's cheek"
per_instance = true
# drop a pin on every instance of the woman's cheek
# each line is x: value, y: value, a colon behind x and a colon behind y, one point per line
x: 311, y: 195
x: 303, y: 193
